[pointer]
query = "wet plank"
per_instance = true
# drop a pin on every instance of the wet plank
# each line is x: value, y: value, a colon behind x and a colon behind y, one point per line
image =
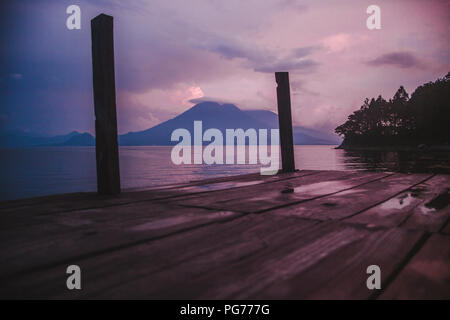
x: 88, y: 200
x: 409, y: 208
x: 434, y: 212
x: 261, y: 198
x: 427, y: 275
x: 355, y: 200
x: 307, y: 234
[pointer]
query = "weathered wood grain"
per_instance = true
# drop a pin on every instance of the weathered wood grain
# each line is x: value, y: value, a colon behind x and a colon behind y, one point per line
x: 71, y: 235
x: 446, y: 228
x: 354, y: 200
x: 250, y: 277
x: 427, y: 275
x: 434, y: 212
x: 211, y: 248
x: 401, y: 208
x: 247, y: 279
x: 261, y: 198
x: 216, y: 276
x: 311, y: 237
x: 342, y: 274
x: 89, y: 200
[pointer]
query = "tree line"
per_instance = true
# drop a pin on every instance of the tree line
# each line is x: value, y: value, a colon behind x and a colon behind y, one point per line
x: 423, y: 118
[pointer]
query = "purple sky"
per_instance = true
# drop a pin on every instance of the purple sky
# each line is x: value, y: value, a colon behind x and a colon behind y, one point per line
x: 170, y: 54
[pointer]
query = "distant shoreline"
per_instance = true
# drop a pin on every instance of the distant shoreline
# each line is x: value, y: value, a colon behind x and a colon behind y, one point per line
x: 419, y: 147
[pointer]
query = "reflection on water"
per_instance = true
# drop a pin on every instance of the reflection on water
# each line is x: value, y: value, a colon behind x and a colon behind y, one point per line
x: 398, y: 161
x: 32, y: 172
x: 399, y: 202
x: 319, y: 187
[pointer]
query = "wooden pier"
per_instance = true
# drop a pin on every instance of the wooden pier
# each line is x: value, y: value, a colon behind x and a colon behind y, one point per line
x: 300, y: 235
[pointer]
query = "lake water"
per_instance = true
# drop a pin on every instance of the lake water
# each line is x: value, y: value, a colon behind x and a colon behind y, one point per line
x: 31, y: 172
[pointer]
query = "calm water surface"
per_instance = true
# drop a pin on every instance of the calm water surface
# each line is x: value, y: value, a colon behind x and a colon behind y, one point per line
x: 30, y: 172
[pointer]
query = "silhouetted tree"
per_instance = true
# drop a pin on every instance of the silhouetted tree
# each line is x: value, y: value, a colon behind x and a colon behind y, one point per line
x: 423, y: 118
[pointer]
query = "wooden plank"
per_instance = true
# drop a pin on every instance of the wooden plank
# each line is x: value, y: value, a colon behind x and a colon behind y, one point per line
x: 434, y: 212
x: 211, y: 246
x: 446, y: 229
x: 342, y: 274
x: 166, y: 249
x: 227, y: 182
x: 352, y: 201
x: 285, y: 121
x: 67, y: 236
x: 76, y: 197
x: 80, y: 201
x: 218, y: 184
x: 427, y: 275
x: 252, y: 176
x: 106, y: 146
x: 398, y: 209
x: 286, y: 254
x: 261, y: 198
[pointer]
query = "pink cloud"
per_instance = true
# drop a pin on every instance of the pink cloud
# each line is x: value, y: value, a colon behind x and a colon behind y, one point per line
x: 337, y: 42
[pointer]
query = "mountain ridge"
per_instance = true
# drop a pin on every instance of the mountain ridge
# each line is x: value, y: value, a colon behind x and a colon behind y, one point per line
x: 222, y: 117
x: 212, y: 114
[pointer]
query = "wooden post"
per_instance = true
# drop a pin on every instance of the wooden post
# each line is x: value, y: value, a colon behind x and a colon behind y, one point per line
x: 107, y: 153
x: 285, y: 121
